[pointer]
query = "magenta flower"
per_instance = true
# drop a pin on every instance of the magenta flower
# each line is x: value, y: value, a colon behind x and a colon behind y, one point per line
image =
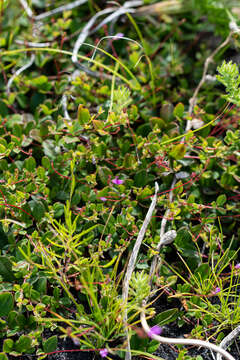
x: 237, y: 266
x: 117, y: 181
x: 217, y: 290
x: 155, y: 330
x: 103, y: 198
x: 103, y: 353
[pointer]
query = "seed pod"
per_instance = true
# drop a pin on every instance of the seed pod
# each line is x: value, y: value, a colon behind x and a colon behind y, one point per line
x: 168, y: 238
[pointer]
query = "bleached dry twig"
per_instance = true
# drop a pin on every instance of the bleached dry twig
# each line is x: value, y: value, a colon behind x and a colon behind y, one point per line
x: 163, y: 240
x: 64, y: 106
x: 132, y: 261
x: 193, y: 100
x: 19, y: 71
x: 26, y: 8
x: 33, y: 44
x: 115, y: 13
x: 228, y: 340
x: 179, y: 341
x: 83, y: 35
x: 46, y: 14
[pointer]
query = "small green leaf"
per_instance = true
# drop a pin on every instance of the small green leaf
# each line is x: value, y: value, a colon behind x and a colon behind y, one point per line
x: 6, y: 269
x: 3, y: 356
x: 6, y: 301
x: 178, y: 151
x: 8, y: 345
x: 38, y: 210
x: 221, y: 200
x: 105, y: 174
x: 166, y: 317
x: 154, y: 345
x: 30, y: 164
x: 178, y: 110
x: 143, y: 178
x: 23, y: 344
x: 83, y: 115
x: 50, y: 344
x: 46, y: 162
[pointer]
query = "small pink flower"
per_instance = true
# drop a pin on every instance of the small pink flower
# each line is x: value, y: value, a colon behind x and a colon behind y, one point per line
x: 103, y: 353
x: 103, y: 198
x: 237, y: 266
x: 217, y: 290
x: 155, y: 330
x: 117, y: 181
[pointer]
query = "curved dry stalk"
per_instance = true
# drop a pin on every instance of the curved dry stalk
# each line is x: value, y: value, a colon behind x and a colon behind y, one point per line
x: 33, y: 44
x: 51, y: 12
x: 64, y: 106
x: 81, y: 38
x: 163, y: 240
x: 19, y: 71
x: 205, y: 78
x: 115, y: 13
x: 132, y: 262
x: 179, y: 341
x: 228, y: 340
x: 193, y: 100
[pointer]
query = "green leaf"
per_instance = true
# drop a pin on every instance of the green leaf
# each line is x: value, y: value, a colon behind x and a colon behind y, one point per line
x: 166, y: 317
x: 202, y: 272
x: 230, y: 78
x: 143, y: 178
x: 221, y: 200
x: 50, y: 344
x: 6, y: 269
x: 46, y: 162
x: 3, y: 356
x: 38, y: 210
x: 6, y: 301
x: 104, y: 174
x: 178, y: 151
x: 23, y: 344
x: 58, y: 209
x: 41, y: 285
x: 30, y: 164
x: 8, y: 345
x: 83, y: 115
x: 3, y: 237
x: 186, y: 247
x: 178, y: 110
x: 153, y: 346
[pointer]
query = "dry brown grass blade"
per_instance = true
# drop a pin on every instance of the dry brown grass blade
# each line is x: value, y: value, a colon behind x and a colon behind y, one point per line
x: 163, y: 7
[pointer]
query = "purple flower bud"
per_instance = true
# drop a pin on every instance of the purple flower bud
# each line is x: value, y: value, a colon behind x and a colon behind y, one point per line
x: 103, y: 353
x: 103, y: 198
x: 237, y: 266
x: 155, y: 330
x: 118, y: 36
x: 76, y: 341
x: 117, y: 181
x: 217, y: 290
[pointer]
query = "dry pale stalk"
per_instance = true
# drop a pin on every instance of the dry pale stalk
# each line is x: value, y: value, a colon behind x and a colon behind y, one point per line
x: 132, y: 262
x: 179, y: 341
x: 228, y: 340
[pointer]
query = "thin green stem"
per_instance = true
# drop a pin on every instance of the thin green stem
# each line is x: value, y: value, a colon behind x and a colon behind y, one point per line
x: 97, y: 63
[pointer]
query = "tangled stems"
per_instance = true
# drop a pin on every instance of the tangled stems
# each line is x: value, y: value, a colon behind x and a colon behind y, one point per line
x: 97, y: 63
